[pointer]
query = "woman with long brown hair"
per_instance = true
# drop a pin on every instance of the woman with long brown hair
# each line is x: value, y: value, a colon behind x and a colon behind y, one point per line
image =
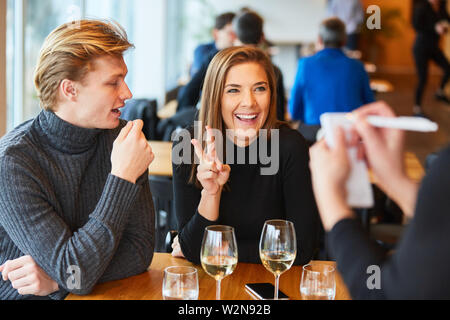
x: 234, y: 181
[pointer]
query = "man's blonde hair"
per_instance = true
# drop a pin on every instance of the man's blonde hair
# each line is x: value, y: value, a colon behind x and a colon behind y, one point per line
x: 68, y: 53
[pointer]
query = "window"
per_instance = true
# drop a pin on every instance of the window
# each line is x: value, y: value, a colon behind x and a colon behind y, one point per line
x: 30, y: 21
x: 165, y: 33
x: 10, y: 59
x: 41, y: 17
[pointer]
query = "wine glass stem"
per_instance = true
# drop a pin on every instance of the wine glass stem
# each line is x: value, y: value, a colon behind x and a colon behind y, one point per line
x: 277, y: 283
x: 218, y: 289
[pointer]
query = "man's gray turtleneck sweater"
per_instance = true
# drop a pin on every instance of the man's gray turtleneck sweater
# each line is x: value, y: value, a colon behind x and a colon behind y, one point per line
x: 60, y: 205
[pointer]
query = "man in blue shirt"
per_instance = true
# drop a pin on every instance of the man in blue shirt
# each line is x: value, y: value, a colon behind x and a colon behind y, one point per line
x: 329, y: 81
x: 224, y: 37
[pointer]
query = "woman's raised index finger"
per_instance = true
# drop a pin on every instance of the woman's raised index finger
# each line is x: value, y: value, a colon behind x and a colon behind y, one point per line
x: 197, y: 148
x: 210, y: 144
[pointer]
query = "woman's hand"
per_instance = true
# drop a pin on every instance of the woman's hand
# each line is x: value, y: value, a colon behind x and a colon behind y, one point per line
x: 383, y: 149
x: 27, y: 277
x: 211, y: 173
x: 330, y: 169
x: 176, y: 248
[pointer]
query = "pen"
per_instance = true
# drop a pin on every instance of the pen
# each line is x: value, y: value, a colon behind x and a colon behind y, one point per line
x: 401, y: 123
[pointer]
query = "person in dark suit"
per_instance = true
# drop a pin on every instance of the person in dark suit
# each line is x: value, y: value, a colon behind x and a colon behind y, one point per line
x: 418, y: 269
x: 224, y: 37
x: 430, y: 20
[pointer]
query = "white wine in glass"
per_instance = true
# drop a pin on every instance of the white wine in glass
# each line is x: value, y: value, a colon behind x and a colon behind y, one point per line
x: 278, y: 248
x: 277, y: 262
x: 219, y: 255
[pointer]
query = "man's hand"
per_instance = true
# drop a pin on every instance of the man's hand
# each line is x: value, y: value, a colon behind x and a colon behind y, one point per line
x: 131, y: 154
x: 383, y: 149
x: 27, y: 277
x: 330, y: 169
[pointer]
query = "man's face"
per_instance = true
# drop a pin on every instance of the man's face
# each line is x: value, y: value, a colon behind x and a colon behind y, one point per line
x: 224, y: 37
x: 100, y: 96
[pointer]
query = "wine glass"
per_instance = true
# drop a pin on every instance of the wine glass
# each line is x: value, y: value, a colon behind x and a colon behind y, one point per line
x: 318, y: 282
x: 219, y: 254
x: 278, y: 248
x: 180, y: 283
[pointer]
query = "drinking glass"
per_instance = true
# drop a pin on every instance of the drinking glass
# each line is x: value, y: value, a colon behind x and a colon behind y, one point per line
x: 219, y: 254
x: 318, y: 282
x: 180, y: 283
x: 278, y: 248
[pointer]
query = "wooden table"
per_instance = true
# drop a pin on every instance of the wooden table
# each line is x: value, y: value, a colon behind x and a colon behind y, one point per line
x: 381, y: 86
x: 169, y: 110
x: 413, y: 167
x: 162, y: 165
x: 148, y: 286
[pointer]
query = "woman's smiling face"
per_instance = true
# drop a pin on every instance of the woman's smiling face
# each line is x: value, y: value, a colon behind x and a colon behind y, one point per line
x: 246, y: 101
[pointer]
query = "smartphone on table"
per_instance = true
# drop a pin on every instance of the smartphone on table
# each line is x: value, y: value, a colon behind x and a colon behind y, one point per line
x: 264, y: 291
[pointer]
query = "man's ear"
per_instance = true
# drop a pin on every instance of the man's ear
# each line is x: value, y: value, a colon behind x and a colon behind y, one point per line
x: 68, y: 90
x: 319, y: 44
x: 214, y: 34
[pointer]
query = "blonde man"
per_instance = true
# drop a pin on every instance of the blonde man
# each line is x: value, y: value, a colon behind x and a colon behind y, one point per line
x: 75, y: 203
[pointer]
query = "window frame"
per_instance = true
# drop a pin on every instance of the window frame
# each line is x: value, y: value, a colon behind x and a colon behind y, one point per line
x: 3, y: 66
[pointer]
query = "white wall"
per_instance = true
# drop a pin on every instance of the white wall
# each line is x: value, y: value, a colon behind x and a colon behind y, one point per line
x: 286, y: 21
x: 149, y: 39
x: 147, y: 31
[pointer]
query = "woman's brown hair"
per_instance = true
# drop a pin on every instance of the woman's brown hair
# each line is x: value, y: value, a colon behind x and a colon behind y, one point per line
x: 214, y: 86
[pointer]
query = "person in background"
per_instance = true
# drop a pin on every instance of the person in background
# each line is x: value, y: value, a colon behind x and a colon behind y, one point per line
x: 352, y: 14
x: 418, y: 268
x: 75, y: 201
x: 430, y: 20
x: 249, y: 29
x: 238, y: 101
x: 223, y: 36
x: 328, y: 81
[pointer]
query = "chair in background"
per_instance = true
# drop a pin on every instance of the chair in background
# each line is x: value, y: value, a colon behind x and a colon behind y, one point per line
x: 391, y: 227
x: 181, y: 120
x: 430, y: 159
x: 173, y: 94
x: 146, y: 110
x: 162, y: 192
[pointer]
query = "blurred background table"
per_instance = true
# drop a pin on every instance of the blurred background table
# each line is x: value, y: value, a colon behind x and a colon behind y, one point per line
x: 162, y: 165
x: 381, y: 86
x: 148, y: 286
x: 413, y: 167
